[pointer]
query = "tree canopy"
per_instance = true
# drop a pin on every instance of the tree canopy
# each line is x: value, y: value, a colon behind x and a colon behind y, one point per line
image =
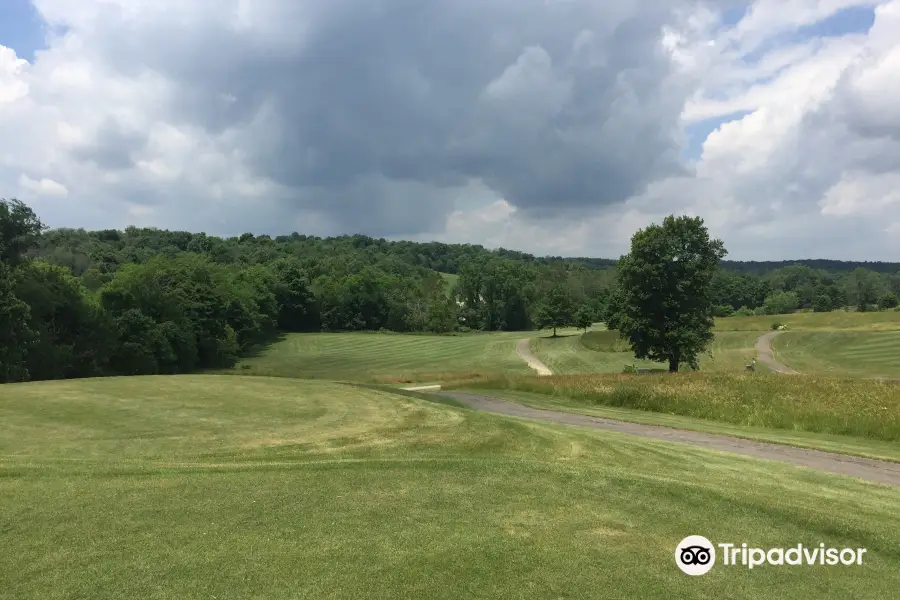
x: 77, y: 303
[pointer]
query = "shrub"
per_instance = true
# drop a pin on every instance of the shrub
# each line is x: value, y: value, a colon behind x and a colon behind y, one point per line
x: 888, y: 301
x: 781, y: 303
x: 722, y: 311
x: 822, y: 303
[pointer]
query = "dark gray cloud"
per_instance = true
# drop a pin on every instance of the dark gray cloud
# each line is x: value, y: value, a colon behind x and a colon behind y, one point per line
x: 112, y: 148
x: 378, y: 110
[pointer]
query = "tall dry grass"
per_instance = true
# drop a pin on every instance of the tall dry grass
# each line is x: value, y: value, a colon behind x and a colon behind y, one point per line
x: 843, y: 406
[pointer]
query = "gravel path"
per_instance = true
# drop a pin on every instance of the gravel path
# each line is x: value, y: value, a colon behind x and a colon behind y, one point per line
x: 767, y: 354
x: 524, y: 350
x: 877, y: 471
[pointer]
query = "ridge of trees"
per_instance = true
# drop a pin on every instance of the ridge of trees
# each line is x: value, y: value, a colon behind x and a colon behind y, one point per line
x: 77, y: 303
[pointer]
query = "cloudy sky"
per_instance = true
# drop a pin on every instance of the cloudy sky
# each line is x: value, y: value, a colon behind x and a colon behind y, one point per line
x: 550, y: 126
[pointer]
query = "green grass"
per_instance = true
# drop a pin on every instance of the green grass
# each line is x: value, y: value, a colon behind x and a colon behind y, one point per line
x: 841, y: 444
x: 195, y: 487
x: 603, y: 352
x: 867, y: 321
x: 604, y: 340
x: 450, y: 279
x: 388, y: 357
x: 839, y: 406
x: 858, y: 353
x: 566, y: 354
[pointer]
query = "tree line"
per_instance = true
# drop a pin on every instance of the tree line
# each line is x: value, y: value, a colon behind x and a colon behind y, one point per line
x: 76, y: 303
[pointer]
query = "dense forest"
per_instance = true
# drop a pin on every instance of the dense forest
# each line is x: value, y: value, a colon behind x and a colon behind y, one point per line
x: 76, y: 303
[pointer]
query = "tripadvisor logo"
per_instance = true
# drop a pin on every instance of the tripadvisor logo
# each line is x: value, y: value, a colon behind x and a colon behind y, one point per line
x: 696, y: 555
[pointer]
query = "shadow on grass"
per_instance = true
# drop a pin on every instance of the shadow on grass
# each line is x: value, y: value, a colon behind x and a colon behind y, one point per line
x: 257, y: 350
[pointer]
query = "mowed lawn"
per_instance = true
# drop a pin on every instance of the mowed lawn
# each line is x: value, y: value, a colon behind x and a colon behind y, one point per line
x: 232, y: 488
x: 388, y: 357
x: 858, y: 353
x: 600, y: 351
x: 451, y: 280
x: 836, y: 320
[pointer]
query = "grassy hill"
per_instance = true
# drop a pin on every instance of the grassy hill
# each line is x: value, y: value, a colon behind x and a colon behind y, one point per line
x: 602, y: 351
x: 450, y: 279
x: 812, y: 321
x: 388, y: 357
x: 856, y: 353
x: 196, y: 487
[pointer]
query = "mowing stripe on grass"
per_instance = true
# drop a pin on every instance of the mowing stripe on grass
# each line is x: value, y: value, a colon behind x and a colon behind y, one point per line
x: 384, y: 357
x: 858, y: 353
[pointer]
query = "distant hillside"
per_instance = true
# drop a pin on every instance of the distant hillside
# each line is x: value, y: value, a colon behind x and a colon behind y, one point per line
x: 78, y: 249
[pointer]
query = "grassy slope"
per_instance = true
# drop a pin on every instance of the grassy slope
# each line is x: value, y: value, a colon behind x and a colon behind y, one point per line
x: 388, y: 357
x: 232, y: 488
x: 450, y: 279
x: 842, y: 343
x: 870, y: 321
x: 858, y: 353
x: 570, y: 353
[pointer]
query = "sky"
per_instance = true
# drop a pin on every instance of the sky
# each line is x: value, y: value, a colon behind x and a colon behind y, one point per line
x: 555, y: 127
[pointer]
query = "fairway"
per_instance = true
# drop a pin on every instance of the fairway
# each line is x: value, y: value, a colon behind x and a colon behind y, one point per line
x: 232, y: 488
x: 835, y: 320
x: 450, y: 279
x: 388, y: 357
x: 602, y: 352
x: 857, y: 353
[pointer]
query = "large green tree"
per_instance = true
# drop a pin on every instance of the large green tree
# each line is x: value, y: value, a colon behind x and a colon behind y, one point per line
x: 15, y: 335
x: 19, y: 230
x: 665, y: 304
x: 556, y: 310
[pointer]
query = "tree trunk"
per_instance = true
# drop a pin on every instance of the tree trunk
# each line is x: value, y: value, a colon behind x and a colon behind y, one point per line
x: 673, y: 365
x: 554, y: 331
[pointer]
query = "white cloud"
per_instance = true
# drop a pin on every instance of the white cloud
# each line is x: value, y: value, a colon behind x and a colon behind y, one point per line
x: 862, y: 194
x: 549, y: 127
x: 12, y: 85
x: 44, y: 187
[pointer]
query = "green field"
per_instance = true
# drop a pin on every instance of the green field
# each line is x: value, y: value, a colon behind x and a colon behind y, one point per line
x: 233, y: 488
x: 388, y: 357
x: 602, y: 352
x: 450, y: 279
x: 857, y: 353
x: 836, y: 320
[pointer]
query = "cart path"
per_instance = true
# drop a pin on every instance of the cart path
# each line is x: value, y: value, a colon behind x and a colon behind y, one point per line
x: 877, y: 471
x: 767, y: 353
x: 524, y: 350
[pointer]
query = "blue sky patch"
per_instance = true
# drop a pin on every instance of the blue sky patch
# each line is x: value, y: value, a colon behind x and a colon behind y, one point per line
x: 853, y: 19
x: 21, y: 28
x: 697, y: 133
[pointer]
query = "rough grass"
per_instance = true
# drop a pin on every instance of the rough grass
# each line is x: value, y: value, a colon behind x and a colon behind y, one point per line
x: 840, y: 444
x: 841, y: 406
x: 604, y: 340
x: 858, y: 353
x: 388, y: 357
x: 604, y: 352
x: 867, y: 321
x: 233, y: 488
